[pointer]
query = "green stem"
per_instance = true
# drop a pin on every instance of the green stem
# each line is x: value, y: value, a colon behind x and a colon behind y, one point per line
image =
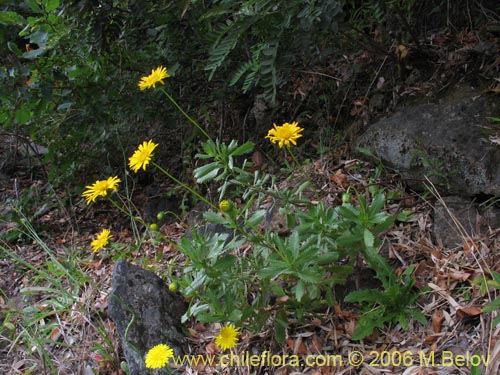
x: 189, y: 118
x: 293, y: 157
x: 127, y: 213
x: 184, y: 186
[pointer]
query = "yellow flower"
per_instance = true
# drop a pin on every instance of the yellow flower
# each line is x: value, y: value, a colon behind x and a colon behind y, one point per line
x: 101, y: 241
x: 157, y: 75
x: 285, y: 134
x: 158, y: 356
x: 227, y: 338
x: 100, y: 188
x: 224, y: 206
x: 142, y: 156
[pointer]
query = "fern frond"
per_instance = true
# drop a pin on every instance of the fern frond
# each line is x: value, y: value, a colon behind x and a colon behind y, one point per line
x: 240, y: 72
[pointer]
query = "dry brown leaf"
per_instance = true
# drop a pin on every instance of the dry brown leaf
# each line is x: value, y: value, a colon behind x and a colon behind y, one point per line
x: 340, y: 179
x: 211, y: 349
x: 430, y: 339
x: 55, y: 334
x: 282, y: 299
x: 468, y: 312
x: 437, y: 320
x: 297, y: 346
x: 436, y: 254
x: 192, y: 332
x: 495, y: 90
x: 401, y: 51
x: 458, y: 275
x: 349, y: 327
x: 316, y: 343
x: 200, y: 327
x: 470, y: 247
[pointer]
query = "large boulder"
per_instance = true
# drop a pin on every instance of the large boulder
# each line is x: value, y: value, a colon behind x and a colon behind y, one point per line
x: 456, y: 219
x: 448, y: 142
x: 145, y: 312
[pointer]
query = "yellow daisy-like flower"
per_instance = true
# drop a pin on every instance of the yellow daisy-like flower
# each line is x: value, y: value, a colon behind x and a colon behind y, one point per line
x: 101, y: 241
x: 158, y: 356
x: 142, y: 156
x: 285, y: 134
x: 100, y: 188
x: 157, y: 75
x: 227, y: 338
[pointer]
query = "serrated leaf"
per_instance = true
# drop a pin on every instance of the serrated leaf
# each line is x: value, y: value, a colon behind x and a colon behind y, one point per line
x: 257, y: 218
x: 280, y: 325
x: 327, y: 258
x: 369, y: 239
x: 300, y: 289
x: 245, y: 148
x: 207, y: 172
x: 214, y: 218
x: 364, y: 328
x: 309, y: 275
x: 364, y: 295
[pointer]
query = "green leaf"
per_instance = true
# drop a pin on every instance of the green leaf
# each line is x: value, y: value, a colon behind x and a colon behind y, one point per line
x: 309, y: 275
x: 419, y: 316
x: 11, y: 18
x: 280, y: 325
x: 245, y: 148
x: 299, y: 290
x: 385, y: 224
x: 327, y: 258
x: 276, y: 268
x: 51, y: 5
x: 14, y: 48
x: 225, y: 262
x: 367, y: 152
x: 33, y: 4
x: 365, y: 295
x: 405, y: 215
x: 492, y: 306
x: 215, y: 218
x: 235, y: 315
x: 34, y: 53
x: 349, y: 212
x: 39, y: 37
x: 377, y: 204
x: 23, y: 115
x: 369, y: 239
x: 364, y: 328
x: 256, y: 218
x: 206, y: 172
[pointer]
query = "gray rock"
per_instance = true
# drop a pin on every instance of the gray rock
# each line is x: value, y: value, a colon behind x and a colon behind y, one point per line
x: 470, y: 220
x: 145, y: 312
x: 447, y: 142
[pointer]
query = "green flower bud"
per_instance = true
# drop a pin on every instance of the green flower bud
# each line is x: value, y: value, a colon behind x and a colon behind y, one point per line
x: 173, y: 287
x: 346, y: 198
x: 225, y: 205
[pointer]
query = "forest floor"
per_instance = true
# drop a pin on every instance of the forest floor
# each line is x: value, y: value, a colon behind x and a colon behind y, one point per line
x: 53, y: 323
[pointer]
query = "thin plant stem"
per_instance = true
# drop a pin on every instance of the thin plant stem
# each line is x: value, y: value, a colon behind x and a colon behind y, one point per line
x: 302, y: 168
x: 126, y: 213
x: 189, y: 118
x: 293, y: 157
x: 183, y: 185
